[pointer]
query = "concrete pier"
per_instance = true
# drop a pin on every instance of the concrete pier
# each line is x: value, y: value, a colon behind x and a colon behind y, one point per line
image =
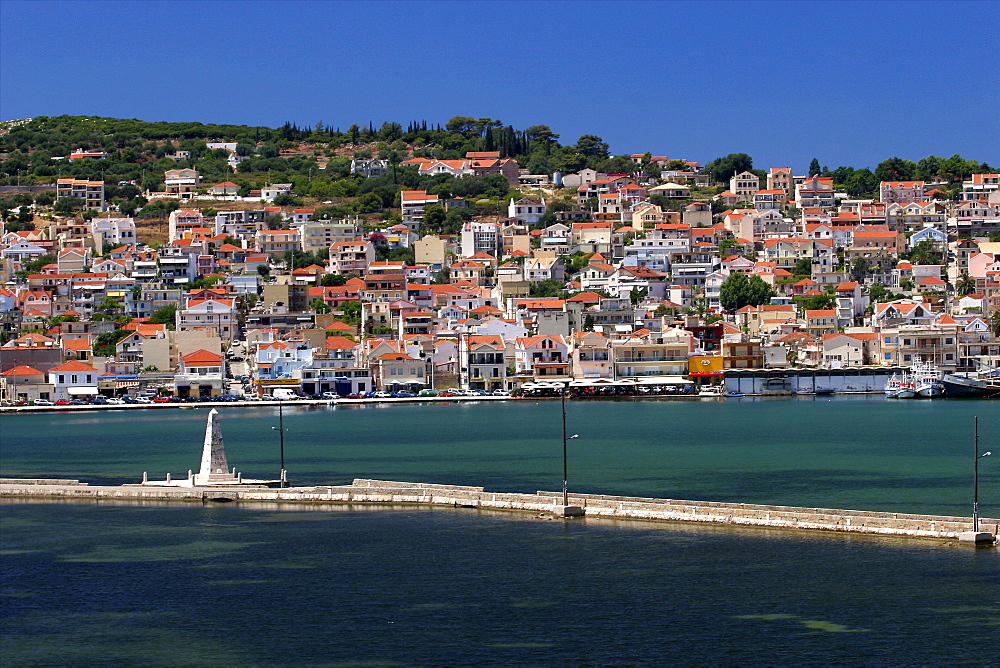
x: 364, y: 491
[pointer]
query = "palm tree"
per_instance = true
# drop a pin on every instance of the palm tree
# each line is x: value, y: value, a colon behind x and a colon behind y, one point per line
x: 965, y: 284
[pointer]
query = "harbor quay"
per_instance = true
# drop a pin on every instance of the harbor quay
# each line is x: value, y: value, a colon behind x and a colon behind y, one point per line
x: 383, y: 492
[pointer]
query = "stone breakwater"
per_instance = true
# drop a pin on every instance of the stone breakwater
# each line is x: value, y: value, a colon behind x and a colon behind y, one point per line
x: 363, y: 491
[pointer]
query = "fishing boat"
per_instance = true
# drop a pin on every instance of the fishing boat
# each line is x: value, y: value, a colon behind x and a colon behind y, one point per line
x: 899, y: 386
x: 926, y: 380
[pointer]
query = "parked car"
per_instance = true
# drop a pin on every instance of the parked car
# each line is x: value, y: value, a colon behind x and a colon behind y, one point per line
x: 129, y: 399
x: 355, y: 395
x: 266, y: 397
x: 251, y: 397
x: 63, y: 402
x: 143, y: 400
x: 99, y: 400
x: 329, y: 395
x: 161, y: 400
x: 116, y: 401
x: 476, y: 393
x: 229, y: 397
x: 403, y: 394
x: 378, y: 395
x: 451, y: 392
x: 42, y: 402
x: 501, y: 393
x: 427, y: 393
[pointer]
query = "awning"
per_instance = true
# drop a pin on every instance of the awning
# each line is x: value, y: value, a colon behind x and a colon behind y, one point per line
x: 663, y: 380
x: 78, y: 391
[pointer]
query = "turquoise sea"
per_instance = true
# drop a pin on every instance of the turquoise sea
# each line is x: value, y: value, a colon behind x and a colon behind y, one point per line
x: 89, y: 584
x: 855, y: 452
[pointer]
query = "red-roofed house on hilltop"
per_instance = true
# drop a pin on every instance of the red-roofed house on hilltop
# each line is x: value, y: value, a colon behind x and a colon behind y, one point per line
x: 902, y: 192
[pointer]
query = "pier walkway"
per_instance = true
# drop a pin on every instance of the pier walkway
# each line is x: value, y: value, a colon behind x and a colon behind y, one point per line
x: 363, y: 491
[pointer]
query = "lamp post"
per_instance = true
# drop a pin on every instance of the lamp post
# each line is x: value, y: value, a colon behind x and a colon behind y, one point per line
x: 281, y: 441
x: 975, y: 479
x: 565, y: 489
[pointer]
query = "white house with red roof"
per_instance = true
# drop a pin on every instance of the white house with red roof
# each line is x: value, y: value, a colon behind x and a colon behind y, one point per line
x: 224, y: 188
x: 902, y: 312
x: 216, y: 314
x: 282, y: 360
x: 73, y: 380
x: 545, y: 357
x: 200, y: 374
x: 413, y: 203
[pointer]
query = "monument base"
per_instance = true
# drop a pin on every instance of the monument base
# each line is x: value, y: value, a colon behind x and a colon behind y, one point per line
x: 977, y: 538
x: 568, y: 511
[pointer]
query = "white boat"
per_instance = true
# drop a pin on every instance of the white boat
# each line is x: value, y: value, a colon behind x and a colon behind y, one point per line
x: 923, y: 380
x: 899, y: 386
x: 712, y: 391
x: 926, y: 380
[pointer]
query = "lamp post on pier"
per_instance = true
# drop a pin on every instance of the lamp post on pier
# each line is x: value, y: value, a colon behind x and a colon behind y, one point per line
x: 976, y: 536
x: 281, y: 441
x: 566, y: 510
x: 975, y: 480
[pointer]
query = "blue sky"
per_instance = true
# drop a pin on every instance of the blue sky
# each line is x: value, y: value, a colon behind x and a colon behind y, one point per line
x: 850, y: 83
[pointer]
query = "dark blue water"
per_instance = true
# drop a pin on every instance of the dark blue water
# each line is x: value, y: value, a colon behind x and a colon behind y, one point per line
x: 225, y: 585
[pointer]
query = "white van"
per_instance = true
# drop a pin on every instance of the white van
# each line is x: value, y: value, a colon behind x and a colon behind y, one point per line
x: 284, y: 394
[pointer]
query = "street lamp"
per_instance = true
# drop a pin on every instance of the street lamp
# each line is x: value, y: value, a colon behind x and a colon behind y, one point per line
x: 975, y: 480
x: 281, y: 439
x: 565, y: 465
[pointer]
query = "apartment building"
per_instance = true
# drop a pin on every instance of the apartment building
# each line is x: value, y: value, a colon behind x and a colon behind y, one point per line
x: 91, y: 193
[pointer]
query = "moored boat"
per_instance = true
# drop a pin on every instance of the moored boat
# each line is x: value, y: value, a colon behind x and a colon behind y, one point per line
x: 966, y: 387
x: 899, y: 387
x: 926, y: 380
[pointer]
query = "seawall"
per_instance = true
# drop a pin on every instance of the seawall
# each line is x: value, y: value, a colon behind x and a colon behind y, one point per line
x: 364, y: 491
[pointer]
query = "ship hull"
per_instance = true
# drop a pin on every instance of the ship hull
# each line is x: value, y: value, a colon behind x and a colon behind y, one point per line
x: 969, y: 388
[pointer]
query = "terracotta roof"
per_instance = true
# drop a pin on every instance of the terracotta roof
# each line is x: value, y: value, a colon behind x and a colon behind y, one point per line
x: 22, y: 370
x: 73, y: 365
x: 202, y: 356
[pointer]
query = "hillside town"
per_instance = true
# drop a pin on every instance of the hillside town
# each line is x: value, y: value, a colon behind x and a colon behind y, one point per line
x: 660, y: 277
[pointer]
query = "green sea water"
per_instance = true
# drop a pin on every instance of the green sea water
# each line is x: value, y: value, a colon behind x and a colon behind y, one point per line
x: 853, y: 452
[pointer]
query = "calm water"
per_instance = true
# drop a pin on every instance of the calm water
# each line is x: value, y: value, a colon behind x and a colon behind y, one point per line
x: 228, y: 585
x: 201, y: 585
x: 865, y: 453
